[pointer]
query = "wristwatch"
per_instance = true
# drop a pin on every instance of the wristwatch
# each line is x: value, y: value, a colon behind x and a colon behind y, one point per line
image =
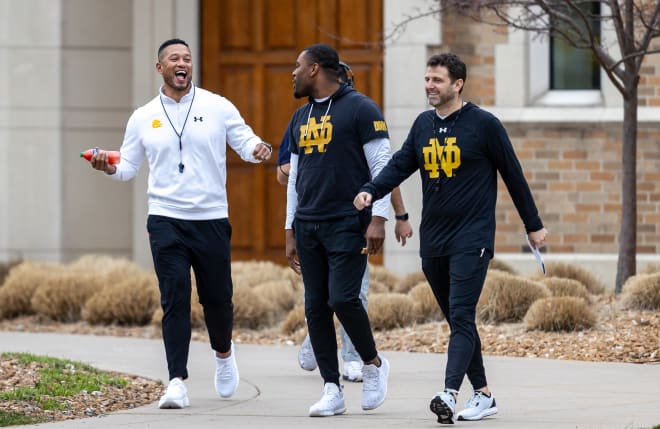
x: 401, y: 217
x: 268, y: 146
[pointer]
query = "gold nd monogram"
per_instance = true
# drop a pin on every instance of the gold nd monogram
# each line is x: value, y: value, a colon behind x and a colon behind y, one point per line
x: 449, y: 156
x: 316, y: 135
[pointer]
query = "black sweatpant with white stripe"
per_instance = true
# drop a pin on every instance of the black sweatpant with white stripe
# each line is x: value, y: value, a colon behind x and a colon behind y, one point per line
x: 176, y: 246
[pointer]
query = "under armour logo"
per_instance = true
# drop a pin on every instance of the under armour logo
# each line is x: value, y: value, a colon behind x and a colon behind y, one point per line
x: 442, y: 130
x: 200, y: 119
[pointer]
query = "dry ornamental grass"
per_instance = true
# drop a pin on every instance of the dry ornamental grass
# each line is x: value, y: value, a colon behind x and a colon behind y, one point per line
x: 642, y: 292
x: 507, y: 297
x: 268, y: 310
x: 559, y: 313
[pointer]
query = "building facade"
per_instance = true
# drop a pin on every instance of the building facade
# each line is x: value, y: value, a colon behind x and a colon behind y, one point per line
x: 77, y: 69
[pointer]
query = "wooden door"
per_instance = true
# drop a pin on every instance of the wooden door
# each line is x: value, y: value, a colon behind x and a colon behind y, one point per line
x: 249, y: 48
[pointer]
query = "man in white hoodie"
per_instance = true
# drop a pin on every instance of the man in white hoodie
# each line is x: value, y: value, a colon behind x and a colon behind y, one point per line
x: 183, y: 133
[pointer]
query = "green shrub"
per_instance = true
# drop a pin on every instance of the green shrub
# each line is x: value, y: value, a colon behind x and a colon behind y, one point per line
x: 506, y: 297
x: 390, y: 310
x: 559, y: 286
x: 130, y: 302
x: 575, y: 272
x: 559, y: 313
x: 642, y: 292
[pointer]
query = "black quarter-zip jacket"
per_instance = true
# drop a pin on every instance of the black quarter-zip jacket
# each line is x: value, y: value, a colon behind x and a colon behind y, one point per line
x: 458, y: 159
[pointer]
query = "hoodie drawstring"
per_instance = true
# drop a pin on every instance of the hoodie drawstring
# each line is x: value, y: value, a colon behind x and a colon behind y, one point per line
x: 309, y: 115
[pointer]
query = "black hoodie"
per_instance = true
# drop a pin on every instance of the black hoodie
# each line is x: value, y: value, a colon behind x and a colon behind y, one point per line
x: 458, y: 158
x: 328, y: 138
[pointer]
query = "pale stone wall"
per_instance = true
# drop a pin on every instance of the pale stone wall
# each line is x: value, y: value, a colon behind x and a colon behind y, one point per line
x: 31, y: 129
x: 76, y: 70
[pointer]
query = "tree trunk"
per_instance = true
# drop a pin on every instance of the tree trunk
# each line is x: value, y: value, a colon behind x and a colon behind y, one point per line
x: 627, y: 263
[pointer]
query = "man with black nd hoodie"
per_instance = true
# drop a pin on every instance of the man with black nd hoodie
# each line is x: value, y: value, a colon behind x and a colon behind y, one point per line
x: 338, y: 141
x: 458, y: 149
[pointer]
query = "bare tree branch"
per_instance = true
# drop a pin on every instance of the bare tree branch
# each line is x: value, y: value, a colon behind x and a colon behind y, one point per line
x: 635, y: 23
x: 653, y: 27
x: 400, y: 26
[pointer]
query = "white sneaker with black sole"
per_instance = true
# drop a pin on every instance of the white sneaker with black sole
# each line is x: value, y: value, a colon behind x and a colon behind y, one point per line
x: 443, y: 405
x: 478, y: 407
x: 176, y: 395
x: 330, y: 404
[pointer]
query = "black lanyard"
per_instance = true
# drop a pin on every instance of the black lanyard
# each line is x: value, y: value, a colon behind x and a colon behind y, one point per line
x: 181, y: 166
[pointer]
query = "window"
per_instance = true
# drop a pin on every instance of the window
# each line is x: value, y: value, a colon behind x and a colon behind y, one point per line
x: 573, y: 68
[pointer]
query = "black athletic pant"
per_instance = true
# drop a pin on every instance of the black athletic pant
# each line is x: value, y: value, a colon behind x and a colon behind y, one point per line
x: 332, y: 267
x: 176, y: 246
x: 457, y: 281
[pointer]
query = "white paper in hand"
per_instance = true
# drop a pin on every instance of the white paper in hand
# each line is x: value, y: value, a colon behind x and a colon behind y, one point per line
x: 536, y: 254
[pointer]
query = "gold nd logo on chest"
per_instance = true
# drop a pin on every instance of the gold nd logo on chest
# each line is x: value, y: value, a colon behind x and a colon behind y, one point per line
x: 446, y: 158
x: 315, y: 135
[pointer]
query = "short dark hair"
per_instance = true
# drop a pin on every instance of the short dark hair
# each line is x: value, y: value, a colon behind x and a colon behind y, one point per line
x: 325, y: 56
x: 455, y: 66
x: 171, y: 42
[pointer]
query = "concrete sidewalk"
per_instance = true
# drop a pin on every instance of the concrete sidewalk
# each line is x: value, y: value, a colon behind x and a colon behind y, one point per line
x: 275, y: 393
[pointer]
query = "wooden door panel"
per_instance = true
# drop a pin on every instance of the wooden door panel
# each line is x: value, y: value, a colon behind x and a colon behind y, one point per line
x: 249, y: 48
x: 232, y: 21
x: 240, y: 188
x: 278, y: 101
x: 280, y: 15
x: 234, y: 78
x: 353, y: 36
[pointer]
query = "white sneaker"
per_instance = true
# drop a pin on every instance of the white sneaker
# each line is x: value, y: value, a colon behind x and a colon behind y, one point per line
x: 226, y: 375
x: 330, y: 404
x: 374, y: 388
x: 352, y: 371
x: 478, y: 407
x: 443, y: 405
x: 306, y: 357
x: 176, y: 395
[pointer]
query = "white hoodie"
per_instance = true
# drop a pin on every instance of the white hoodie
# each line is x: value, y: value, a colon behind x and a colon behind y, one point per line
x: 199, y: 192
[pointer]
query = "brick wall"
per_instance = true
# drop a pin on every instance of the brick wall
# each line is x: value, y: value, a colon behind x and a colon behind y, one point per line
x: 649, y: 83
x: 574, y: 170
x: 475, y: 44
